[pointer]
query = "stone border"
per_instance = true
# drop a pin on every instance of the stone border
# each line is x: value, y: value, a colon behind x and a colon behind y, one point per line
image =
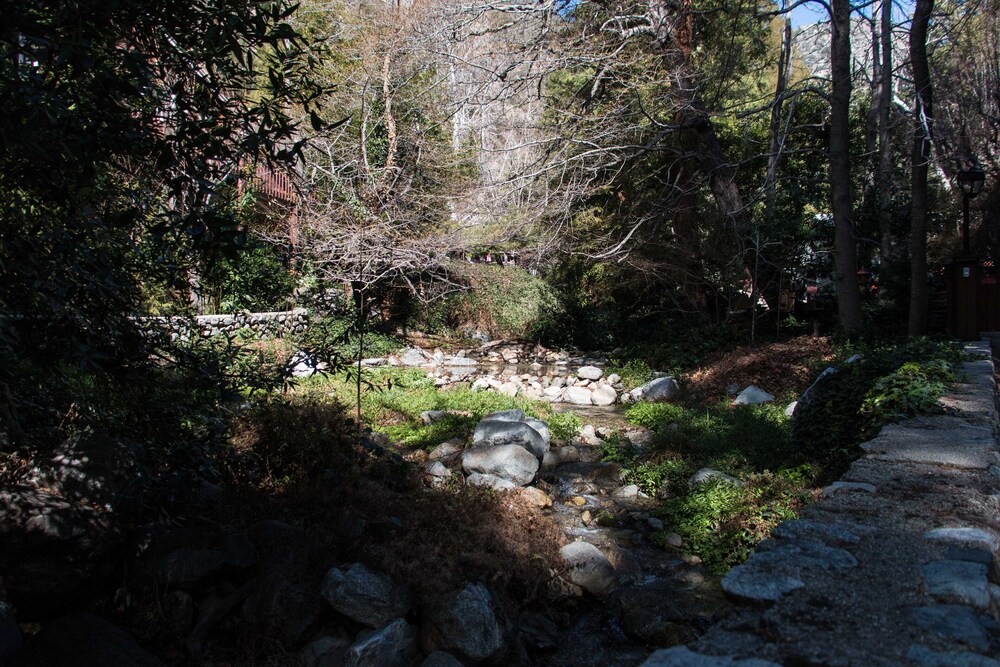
x: 894, y: 565
x: 262, y: 325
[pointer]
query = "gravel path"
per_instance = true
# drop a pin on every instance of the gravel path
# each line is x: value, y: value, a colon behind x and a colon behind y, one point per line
x: 895, y: 565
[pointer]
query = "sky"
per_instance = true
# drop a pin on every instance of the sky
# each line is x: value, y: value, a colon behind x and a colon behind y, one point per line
x: 811, y: 12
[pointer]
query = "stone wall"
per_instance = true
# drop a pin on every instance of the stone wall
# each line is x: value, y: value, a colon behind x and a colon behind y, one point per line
x: 261, y: 325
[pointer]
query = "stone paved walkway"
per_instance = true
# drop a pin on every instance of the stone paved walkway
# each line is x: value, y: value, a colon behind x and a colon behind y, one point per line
x: 895, y: 565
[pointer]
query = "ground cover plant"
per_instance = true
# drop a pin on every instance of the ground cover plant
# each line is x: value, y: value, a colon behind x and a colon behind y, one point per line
x: 777, y: 461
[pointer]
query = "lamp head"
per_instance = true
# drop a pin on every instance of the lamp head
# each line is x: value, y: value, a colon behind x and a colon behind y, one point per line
x: 971, y: 180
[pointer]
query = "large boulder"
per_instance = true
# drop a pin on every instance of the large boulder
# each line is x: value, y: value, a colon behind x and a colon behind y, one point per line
x: 53, y: 548
x: 414, y: 357
x: 394, y: 645
x: 490, y: 433
x: 656, y: 391
x: 603, y: 394
x: 83, y: 640
x: 590, y: 373
x: 368, y: 597
x: 465, y: 625
x: 505, y: 416
x: 490, y: 482
x: 589, y: 568
x: 511, y: 462
x: 578, y: 396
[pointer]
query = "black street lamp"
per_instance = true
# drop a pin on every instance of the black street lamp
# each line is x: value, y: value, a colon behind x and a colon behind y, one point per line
x: 971, y: 181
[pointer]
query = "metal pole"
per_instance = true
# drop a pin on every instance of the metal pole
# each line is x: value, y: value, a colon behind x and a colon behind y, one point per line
x: 965, y: 224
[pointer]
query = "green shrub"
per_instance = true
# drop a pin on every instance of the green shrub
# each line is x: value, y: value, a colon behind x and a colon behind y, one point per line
x: 911, y: 389
x: 722, y: 523
x: 634, y: 372
x: 508, y: 302
x: 563, y: 425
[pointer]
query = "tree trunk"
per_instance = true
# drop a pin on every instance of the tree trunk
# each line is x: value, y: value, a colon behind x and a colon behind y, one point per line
x: 885, y: 169
x: 923, y: 119
x: 845, y: 248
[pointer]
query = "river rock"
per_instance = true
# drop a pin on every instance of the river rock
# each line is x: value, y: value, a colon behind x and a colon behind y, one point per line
x: 465, y: 625
x: 577, y: 396
x: 324, y: 652
x: 53, y: 547
x: 81, y: 639
x: 368, y: 597
x: 706, y: 474
x: 752, y: 396
x: 603, y: 394
x: 656, y: 391
x: 490, y: 482
x: 542, y: 428
x: 511, y: 462
x: 394, y: 645
x: 414, y: 357
x: 590, y: 373
x: 304, y: 364
x: 589, y: 568
x: 445, y: 450
x: 491, y: 433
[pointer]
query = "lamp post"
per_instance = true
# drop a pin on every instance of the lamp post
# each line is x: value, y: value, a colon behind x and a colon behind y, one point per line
x: 971, y: 181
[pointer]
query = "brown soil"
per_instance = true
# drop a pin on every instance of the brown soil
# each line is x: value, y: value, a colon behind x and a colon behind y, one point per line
x: 778, y: 368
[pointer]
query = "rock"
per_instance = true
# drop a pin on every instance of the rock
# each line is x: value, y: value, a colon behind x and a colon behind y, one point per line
x: 614, y: 378
x: 956, y: 622
x: 465, y: 625
x: 656, y: 391
x: 583, y: 478
x: 706, y: 474
x: 53, y: 547
x: 560, y: 455
x: 460, y: 361
x: 490, y: 482
x: 511, y: 462
x: 965, y: 535
x: 666, y: 612
x: 629, y: 491
x: 185, y: 568
x: 753, y: 395
x: 639, y: 436
x: 682, y: 656
x: 491, y: 433
x: 414, y: 357
x: 480, y: 384
x: 674, y: 540
x: 654, y: 523
x: 11, y: 640
x: 282, y: 604
x: 837, y: 533
x: 304, y: 364
x: 790, y: 409
x: 508, y: 389
x: 394, y: 645
x: 961, y: 582
x: 589, y: 568
x: 603, y: 394
x: 542, y: 428
x: 535, y: 497
x: 577, y: 396
x: 446, y: 449
x: 586, y: 517
x: 590, y: 373
x: 437, y: 469
x: 324, y: 652
x: 441, y: 659
x: 744, y: 582
x: 368, y: 597
x: 924, y: 657
x: 841, y: 487
x: 80, y: 639
x: 428, y: 417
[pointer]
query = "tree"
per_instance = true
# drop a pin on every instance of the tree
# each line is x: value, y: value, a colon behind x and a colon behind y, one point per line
x: 125, y: 123
x: 923, y: 123
x: 845, y: 246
